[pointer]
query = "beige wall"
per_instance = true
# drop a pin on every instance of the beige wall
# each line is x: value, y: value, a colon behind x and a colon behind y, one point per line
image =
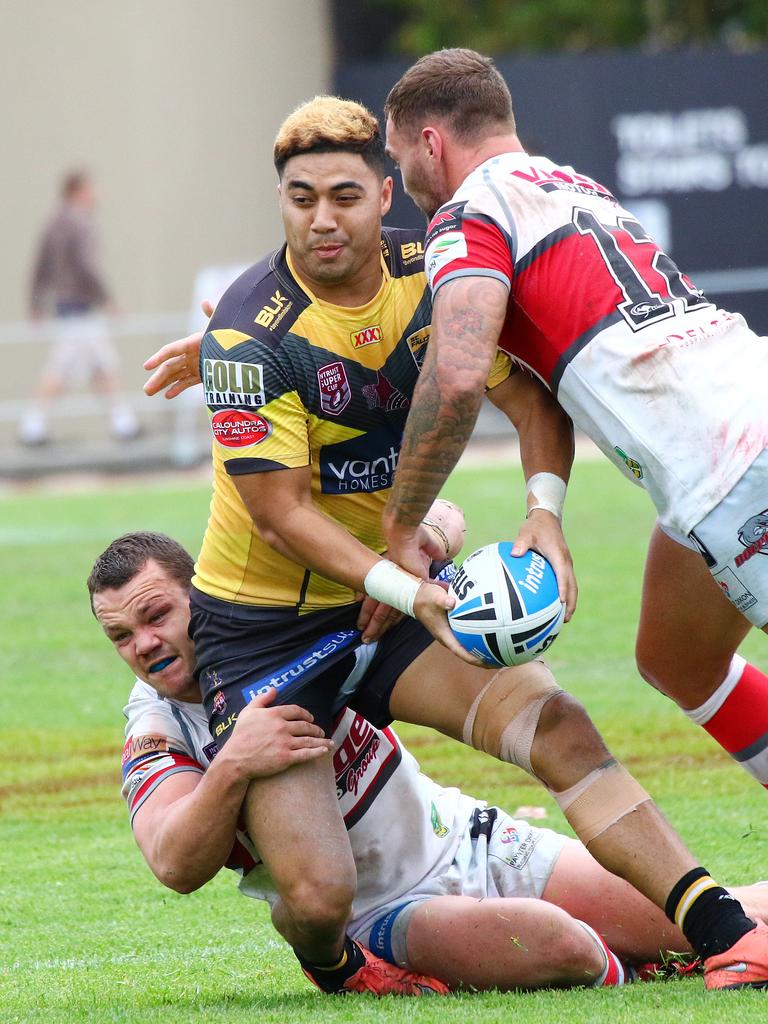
x: 173, y: 104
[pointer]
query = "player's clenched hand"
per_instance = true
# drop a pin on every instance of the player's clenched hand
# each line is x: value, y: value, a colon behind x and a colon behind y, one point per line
x: 177, y: 364
x: 412, y: 548
x: 431, y: 608
x: 268, y: 740
x: 542, y: 532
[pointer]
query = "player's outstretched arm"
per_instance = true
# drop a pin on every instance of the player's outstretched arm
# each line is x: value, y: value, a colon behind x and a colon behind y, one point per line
x: 546, y: 453
x: 186, y: 827
x: 467, y: 320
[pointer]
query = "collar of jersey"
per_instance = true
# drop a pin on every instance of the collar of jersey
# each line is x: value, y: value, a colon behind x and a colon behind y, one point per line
x: 351, y: 312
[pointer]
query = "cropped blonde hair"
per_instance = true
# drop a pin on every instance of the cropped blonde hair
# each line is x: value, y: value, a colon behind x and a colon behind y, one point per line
x: 328, y: 123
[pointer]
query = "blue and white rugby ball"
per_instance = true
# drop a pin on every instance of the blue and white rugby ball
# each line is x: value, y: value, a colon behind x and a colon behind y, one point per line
x: 507, y: 608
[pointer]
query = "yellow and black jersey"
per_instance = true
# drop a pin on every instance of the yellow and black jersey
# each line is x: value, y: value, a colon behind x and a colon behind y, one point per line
x: 291, y: 381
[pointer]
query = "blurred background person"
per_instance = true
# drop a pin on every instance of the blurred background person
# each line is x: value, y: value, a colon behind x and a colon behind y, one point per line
x: 68, y: 284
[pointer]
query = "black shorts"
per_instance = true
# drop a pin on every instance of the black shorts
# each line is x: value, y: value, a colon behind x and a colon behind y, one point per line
x: 314, y: 660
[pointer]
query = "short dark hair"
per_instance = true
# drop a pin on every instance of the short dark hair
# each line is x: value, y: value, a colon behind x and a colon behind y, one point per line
x: 462, y: 87
x: 127, y: 556
x: 326, y: 124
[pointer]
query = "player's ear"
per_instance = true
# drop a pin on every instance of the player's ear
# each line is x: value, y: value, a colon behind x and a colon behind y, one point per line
x: 433, y: 142
x: 386, y: 195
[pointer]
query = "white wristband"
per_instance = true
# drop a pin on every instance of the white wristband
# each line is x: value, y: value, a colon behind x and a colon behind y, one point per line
x: 392, y: 585
x: 547, y: 491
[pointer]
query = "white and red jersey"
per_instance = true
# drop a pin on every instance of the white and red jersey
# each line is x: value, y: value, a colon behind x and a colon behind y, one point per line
x: 414, y: 833
x: 667, y: 385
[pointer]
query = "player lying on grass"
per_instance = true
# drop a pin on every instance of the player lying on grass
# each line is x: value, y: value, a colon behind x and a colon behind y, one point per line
x: 543, y: 263
x: 446, y: 887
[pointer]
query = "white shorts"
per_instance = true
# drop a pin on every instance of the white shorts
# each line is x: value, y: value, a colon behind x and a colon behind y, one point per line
x: 81, y: 347
x: 733, y: 538
x: 498, y: 856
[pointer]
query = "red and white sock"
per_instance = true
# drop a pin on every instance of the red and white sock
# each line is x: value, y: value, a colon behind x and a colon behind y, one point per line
x: 736, y: 715
x: 614, y: 972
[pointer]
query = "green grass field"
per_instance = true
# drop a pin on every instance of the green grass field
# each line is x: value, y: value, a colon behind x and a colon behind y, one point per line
x: 87, y: 934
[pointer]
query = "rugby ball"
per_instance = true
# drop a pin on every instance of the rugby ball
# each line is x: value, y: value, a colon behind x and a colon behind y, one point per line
x: 507, y: 609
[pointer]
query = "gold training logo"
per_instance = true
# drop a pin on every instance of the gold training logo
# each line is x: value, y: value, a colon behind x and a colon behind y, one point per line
x: 368, y: 336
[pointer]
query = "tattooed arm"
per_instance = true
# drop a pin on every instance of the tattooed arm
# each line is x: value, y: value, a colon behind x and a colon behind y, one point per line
x: 468, y: 316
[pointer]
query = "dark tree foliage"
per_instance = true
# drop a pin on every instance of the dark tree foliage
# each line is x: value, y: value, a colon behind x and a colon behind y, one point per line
x: 377, y: 28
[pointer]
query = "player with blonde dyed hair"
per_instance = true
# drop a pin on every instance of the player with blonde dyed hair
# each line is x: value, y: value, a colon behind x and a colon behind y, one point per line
x: 326, y: 123
x: 309, y: 364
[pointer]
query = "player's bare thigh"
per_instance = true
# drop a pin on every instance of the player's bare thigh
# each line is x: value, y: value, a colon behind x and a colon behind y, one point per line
x: 437, y: 689
x: 688, y: 629
x: 296, y: 825
x: 633, y: 927
x: 499, y: 943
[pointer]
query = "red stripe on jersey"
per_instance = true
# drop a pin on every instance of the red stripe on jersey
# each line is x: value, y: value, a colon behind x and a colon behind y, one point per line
x: 743, y: 718
x: 561, y: 295
x: 487, y: 249
x: 170, y: 764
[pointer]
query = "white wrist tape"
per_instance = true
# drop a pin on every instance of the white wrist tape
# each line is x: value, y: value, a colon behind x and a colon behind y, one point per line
x: 547, y: 491
x: 392, y: 585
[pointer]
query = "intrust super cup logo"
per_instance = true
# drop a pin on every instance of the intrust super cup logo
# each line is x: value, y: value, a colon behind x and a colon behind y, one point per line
x: 335, y: 392
x: 237, y: 428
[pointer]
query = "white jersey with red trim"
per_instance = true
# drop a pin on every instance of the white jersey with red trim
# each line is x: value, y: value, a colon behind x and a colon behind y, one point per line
x: 415, y: 831
x: 669, y: 386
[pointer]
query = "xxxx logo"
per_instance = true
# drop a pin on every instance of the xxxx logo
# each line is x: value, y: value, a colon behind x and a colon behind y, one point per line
x: 368, y: 336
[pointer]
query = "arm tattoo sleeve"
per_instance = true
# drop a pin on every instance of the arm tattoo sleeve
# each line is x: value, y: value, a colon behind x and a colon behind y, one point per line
x: 468, y: 317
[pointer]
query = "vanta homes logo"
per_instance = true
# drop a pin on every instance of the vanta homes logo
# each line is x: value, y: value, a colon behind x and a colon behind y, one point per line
x: 364, y: 463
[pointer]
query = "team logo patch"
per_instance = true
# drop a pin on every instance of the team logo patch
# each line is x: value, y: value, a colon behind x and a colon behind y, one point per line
x: 236, y: 428
x: 363, y: 463
x: 272, y: 312
x: 219, y: 703
x: 368, y: 336
x: 632, y: 465
x: 417, y: 344
x: 519, y: 846
x: 384, y: 395
x: 509, y: 835
x: 222, y: 727
x: 734, y: 589
x: 754, y: 536
x: 335, y: 392
x: 444, y: 250
x: 449, y: 218
x: 211, y: 750
x: 232, y: 383
x: 440, y: 830
x: 411, y: 251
